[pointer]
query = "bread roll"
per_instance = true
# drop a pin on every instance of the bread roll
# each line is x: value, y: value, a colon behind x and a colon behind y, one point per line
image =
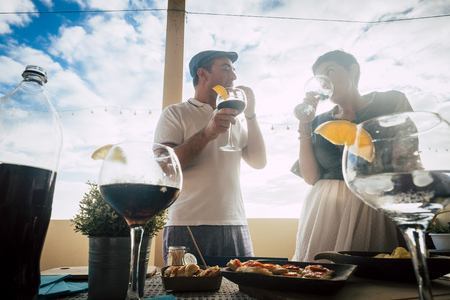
x: 190, y: 270
x: 168, y: 271
x: 174, y: 272
x: 181, y: 271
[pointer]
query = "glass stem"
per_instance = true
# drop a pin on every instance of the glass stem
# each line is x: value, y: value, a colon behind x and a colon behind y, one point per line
x: 136, y: 233
x: 415, y: 239
x: 230, y: 140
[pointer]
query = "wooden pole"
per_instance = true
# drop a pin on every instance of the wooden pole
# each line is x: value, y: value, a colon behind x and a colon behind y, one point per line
x: 174, y: 56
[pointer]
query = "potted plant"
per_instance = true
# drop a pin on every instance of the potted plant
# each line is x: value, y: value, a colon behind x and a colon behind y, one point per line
x: 439, y: 232
x: 109, y: 246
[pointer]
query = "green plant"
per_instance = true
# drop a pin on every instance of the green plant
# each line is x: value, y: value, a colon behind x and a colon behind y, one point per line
x: 97, y: 218
x: 436, y: 227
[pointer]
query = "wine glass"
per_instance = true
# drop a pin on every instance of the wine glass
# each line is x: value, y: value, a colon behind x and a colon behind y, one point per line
x: 408, y: 179
x: 237, y: 100
x: 139, y: 180
x: 323, y: 88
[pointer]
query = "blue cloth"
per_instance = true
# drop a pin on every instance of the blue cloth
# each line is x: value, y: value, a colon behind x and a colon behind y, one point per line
x: 55, y: 286
x: 167, y: 297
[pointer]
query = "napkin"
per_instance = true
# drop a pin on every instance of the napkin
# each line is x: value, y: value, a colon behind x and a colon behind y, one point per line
x: 55, y: 286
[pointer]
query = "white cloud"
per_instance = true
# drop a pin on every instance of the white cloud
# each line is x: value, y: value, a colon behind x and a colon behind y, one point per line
x: 115, y: 61
x: 19, y: 20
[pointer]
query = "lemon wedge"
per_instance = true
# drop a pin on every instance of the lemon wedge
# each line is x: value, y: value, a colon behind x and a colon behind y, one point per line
x: 342, y: 132
x: 221, y: 91
x: 101, y: 152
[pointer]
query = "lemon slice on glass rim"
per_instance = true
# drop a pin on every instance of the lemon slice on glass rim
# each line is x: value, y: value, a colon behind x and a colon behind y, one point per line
x: 101, y: 153
x: 342, y: 132
x: 221, y: 91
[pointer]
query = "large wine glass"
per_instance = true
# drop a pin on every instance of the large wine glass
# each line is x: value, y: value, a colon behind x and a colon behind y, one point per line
x: 236, y: 100
x: 323, y: 88
x: 408, y: 179
x: 139, y: 180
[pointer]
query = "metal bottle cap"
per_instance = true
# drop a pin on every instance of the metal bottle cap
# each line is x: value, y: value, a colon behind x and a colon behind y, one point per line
x: 37, y: 70
x: 189, y: 258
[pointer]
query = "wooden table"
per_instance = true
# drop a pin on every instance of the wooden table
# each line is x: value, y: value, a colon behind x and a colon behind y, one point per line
x: 361, y: 288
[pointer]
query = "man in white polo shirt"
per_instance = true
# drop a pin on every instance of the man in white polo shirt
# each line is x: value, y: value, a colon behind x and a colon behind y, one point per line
x: 210, y: 201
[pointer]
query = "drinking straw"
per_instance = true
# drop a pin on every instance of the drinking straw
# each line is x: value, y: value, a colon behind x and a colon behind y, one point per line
x: 195, y: 244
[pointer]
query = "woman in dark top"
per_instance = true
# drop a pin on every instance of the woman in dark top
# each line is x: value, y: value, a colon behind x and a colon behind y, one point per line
x: 332, y: 217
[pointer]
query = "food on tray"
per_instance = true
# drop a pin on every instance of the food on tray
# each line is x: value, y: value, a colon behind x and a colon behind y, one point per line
x: 398, y: 252
x: 191, y: 270
x: 254, y: 266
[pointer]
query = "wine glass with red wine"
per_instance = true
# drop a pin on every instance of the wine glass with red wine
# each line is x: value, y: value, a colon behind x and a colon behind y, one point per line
x: 139, y: 180
x: 236, y: 100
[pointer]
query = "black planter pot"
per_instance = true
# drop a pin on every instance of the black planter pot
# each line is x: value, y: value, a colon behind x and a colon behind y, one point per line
x: 109, y: 267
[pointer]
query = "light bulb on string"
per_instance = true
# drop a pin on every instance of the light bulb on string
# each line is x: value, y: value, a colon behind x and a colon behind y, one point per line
x: 120, y: 111
x: 73, y: 113
x: 92, y: 111
x: 287, y: 127
x: 134, y: 112
x: 150, y: 112
x: 106, y: 109
x: 272, y: 128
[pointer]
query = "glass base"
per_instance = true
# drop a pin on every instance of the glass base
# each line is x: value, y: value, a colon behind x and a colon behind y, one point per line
x: 304, y: 112
x: 230, y: 148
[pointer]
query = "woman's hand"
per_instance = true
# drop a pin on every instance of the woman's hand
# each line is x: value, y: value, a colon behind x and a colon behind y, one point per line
x: 313, y: 100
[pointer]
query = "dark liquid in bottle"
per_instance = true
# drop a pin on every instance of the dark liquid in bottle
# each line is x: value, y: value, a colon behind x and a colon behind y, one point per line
x: 26, y: 196
x: 234, y: 104
x: 138, y: 203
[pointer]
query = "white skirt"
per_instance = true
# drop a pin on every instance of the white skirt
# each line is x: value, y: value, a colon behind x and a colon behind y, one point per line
x: 334, y: 219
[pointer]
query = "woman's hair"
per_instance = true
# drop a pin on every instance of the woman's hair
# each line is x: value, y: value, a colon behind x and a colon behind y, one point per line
x: 340, y: 57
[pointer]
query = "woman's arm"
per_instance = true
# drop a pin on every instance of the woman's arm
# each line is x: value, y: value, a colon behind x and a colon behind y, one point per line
x: 307, y: 161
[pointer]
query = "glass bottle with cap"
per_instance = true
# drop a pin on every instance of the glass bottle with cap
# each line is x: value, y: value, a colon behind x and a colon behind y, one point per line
x: 178, y: 256
x: 30, y: 146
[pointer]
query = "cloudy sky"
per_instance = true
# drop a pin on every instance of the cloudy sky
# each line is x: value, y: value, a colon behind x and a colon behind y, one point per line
x: 105, y: 71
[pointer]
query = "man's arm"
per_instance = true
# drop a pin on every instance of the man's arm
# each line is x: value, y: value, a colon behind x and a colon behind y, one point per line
x: 190, y: 149
x: 255, y: 152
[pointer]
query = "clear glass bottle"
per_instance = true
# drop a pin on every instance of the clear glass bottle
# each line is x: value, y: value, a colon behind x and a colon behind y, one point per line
x: 30, y: 147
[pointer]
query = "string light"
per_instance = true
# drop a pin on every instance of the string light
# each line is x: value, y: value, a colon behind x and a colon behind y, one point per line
x: 121, y: 110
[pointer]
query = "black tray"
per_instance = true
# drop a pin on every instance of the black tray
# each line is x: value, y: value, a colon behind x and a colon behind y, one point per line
x: 392, y: 269
x: 190, y: 284
x: 292, y: 284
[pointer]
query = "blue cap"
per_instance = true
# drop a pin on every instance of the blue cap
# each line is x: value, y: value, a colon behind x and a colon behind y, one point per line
x: 203, y: 57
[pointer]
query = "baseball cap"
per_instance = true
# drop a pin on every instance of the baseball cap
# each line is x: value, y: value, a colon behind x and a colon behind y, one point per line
x: 203, y: 57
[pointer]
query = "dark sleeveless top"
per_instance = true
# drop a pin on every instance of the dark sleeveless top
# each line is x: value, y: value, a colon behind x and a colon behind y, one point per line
x: 328, y: 155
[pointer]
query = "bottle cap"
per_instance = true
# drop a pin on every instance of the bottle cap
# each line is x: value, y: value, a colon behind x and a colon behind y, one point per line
x: 189, y: 258
x: 37, y: 70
